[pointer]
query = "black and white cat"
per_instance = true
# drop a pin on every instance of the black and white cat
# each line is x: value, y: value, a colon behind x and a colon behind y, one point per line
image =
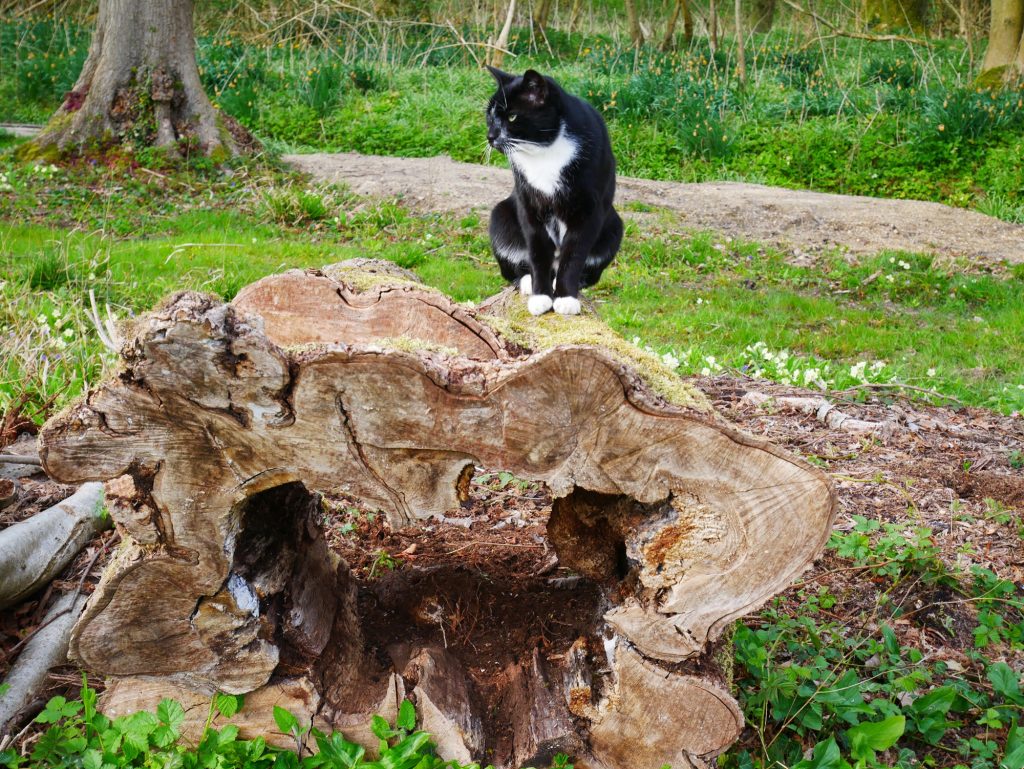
x: 557, y: 231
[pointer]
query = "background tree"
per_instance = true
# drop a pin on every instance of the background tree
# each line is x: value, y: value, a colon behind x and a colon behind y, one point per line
x: 1005, y: 54
x: 762, y: 16
x: 140, y: 81
x: 683, y: 8
x: 636, y: 33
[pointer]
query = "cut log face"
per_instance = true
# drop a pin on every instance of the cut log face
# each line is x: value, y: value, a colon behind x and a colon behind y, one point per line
x: 226, y: 418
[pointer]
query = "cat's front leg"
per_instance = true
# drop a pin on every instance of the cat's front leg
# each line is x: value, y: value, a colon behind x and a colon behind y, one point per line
x: 542, y: 256
x: 571, y: 263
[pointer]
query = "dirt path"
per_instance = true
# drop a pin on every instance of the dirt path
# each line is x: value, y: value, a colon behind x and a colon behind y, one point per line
x: 793, y: 219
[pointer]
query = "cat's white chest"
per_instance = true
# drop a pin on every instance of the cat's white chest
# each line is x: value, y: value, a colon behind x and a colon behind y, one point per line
x: 542, y: 164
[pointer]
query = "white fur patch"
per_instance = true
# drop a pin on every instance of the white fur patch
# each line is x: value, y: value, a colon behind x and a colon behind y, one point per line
x: 538, y: 304
x: 526, y: 285
x: 556, y: 230
x: 567, y: 305
x: 542, y: 164
x: 511, y: 253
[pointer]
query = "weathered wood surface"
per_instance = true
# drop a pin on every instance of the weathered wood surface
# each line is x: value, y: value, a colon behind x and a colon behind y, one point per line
x: 390, y: 393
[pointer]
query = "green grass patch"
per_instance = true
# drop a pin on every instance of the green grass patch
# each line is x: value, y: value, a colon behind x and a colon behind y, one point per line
x: 858, y: 117
x: 128, y: 237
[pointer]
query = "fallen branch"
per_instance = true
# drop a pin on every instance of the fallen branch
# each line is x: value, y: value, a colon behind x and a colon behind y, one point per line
x: 34, y: 551
x: 825, y: 411
x: 838, y: 32
x: 47, y: 649
x: 18, y: 459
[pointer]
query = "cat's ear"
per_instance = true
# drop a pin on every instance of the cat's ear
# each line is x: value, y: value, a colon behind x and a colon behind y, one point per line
x: 503, y: 78
x: 535, y: 87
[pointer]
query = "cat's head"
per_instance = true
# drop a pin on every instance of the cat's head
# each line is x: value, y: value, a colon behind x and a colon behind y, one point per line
x: 525, y: 110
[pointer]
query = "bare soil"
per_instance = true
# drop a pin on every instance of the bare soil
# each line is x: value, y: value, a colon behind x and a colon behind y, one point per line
x: 794, y: 220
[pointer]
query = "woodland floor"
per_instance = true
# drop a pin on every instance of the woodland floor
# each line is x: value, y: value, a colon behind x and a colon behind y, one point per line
x: 943, y: 468
x: 795, y: 220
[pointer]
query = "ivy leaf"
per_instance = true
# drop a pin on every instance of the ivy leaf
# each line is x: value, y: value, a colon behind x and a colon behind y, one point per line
x: 406, y: 716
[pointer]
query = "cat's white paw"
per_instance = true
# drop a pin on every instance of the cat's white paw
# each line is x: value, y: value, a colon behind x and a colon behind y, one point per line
x: 538, y: 304
x: 567, y: 305
x: 526, y: 285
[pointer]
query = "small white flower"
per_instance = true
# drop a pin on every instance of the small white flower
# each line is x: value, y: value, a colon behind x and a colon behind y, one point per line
x: 699, y: 300
x: 904, y: 265
x: 705, y: 371
x: 931, y: 372
x: 890, y: 278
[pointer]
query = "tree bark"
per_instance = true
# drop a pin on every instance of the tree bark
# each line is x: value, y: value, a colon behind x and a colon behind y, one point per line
x: 541, y: 11
x: 636, y: 33
x: 713, y: 26
x: 36, y: 550
x: 1005, y: 53
x: 47, y: 649
x: 680, y: 7
x: 741, y: 49
x: 139, y: 81
x: 364, y: 382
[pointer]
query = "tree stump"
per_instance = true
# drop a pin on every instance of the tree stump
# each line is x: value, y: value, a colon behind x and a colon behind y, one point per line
x: 227, y: 419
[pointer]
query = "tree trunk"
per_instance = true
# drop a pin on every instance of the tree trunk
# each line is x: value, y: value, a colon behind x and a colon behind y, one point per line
x: 1004, y: 57
x: 671, y: 523
x: 713, y: 26
x: 140, y: 80
x: 741, y: 50
x: 763, y: 16
x: 636, y: 34
x: 541, y: 11
x: 680, y: 7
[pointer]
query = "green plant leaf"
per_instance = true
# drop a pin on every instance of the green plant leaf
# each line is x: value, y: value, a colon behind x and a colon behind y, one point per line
x: 381, y: 728
x: 92, y: 759
x: 171, y: 713
x: 824, y: 756
x: 228, y: 704
x: 872, y: 736
x: 1004, y: 680
x: 285, y: 721
x: 1014, y: 756
x: 406, y: 716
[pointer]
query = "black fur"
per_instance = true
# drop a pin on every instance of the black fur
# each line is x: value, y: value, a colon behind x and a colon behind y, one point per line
x: 533, y: 109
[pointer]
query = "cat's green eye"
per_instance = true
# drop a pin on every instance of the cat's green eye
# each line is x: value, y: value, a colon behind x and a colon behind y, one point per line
x: 512, y: 117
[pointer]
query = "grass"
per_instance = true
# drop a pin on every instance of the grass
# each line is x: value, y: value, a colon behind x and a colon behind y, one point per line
x: 705, y: 305
x: 844, y: 116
